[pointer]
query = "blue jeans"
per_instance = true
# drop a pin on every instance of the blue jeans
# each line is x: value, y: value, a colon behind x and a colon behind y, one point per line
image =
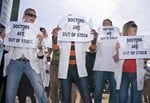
x: 14, y: 73
x: 82, y: 84
x: 129, y: 79
x: 99, y: 80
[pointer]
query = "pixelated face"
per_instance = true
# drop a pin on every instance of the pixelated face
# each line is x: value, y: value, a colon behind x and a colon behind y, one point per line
x: 30, y: 17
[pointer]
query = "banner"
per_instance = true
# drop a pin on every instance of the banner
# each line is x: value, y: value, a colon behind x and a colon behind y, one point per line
x: 22, y: 35
x: 134, y: 47
x: 75, y: 28
x: 108, y: 35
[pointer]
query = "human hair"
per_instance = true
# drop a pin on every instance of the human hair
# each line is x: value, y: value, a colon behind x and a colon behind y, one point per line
x: 108, y: 21
x: 28, y: 10
x: 42, y: 28
x: 127, y: 26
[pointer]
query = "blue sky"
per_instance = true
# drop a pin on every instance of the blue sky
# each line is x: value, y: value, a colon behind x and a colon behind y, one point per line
x: 50, y: 12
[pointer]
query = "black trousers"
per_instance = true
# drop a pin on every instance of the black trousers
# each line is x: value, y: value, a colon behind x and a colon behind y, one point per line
x: 25, y: 89
x: 2, y: 80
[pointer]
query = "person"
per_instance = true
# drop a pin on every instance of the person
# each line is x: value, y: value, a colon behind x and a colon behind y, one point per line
x: 72, y: 67
x: 130, y: 72
x: 54, y: 82
x: 44, y: 60
x: 55, y: 89
x: 104, y: 66
x: 24, y: 60
x: 5, y: 13
x: 90, y: 60
x: 2, y: 35
x: 146, y: 90
x: 2, y: 59
x: 107, y: 22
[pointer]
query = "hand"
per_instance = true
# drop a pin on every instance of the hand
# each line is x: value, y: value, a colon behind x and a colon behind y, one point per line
x: 117, y: 47
x: 116, y: 56
x: 94, y: 33
x: 2, y: 34
x: 40, y: 39
x: 47, y: 71
x: 48, y: 59
x: 55, y: 31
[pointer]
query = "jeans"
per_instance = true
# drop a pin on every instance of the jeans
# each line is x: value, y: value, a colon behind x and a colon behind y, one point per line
x: 99, y: 80
x: 81, y: 82
x: 129, y: 79
x: 14, y: 73
x: 129, y: 96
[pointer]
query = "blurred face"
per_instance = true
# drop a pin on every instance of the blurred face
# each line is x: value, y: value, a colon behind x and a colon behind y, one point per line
x: 30, y: 17
x: 107, y: 23
x: 132, y: 31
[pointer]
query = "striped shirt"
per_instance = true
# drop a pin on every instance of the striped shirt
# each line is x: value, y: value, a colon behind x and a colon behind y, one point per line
x: 72, y: 60
x: 56, y: 53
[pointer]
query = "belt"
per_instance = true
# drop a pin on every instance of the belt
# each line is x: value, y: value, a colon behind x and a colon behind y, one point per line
x: 23, y: 59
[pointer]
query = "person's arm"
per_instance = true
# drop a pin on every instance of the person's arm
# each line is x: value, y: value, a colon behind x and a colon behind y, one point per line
x: 48, y: 54
x: 92, y: 47
x: 40, y: 50
x: 40, y: 39
x: 40, y: 53
x: 55, y: 45
x: 2, y: 36
x: 116, y: 55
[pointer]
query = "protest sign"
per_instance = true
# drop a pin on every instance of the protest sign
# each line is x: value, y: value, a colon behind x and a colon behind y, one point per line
x: 134, y: 47
x: 75, y: 28
x: 21, y: 35
x: 108, y: 35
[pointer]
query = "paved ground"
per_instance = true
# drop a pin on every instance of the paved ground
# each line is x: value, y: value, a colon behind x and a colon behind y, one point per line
x: 105, y: 98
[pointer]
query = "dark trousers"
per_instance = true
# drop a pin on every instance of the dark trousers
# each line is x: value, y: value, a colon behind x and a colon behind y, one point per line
x: 90, y: 60
x: 82, y: 84
x: 129, y: 79
x: 25, y: 89
x: 3, y: 89
x: 2, y: 81
x: 99, y: 81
